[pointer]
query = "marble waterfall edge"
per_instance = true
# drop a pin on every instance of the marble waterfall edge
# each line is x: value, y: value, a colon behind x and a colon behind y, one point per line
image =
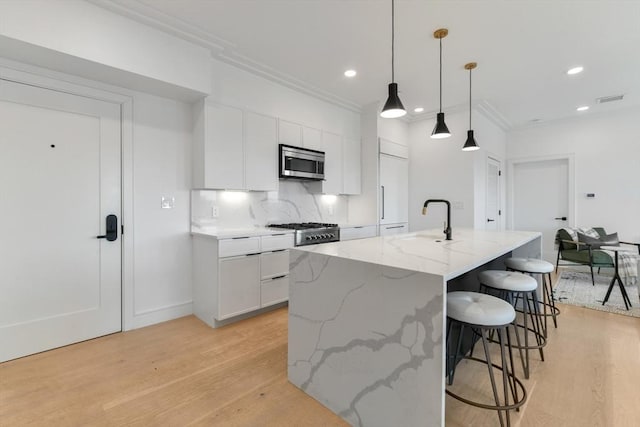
x: 367, y: 340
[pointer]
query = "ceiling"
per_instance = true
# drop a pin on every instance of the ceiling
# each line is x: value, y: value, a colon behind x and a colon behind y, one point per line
x: 523, y: 49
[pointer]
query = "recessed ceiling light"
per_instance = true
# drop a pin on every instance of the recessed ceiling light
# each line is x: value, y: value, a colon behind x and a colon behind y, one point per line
x: 583, y: 108
x: 350, y: 73
x: 418, y: 110
x: 575, y: 70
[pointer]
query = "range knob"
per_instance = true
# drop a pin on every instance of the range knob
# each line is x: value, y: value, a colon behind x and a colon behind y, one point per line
x: 308, y: 238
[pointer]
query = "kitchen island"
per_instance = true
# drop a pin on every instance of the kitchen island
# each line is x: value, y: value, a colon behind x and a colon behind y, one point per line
x: 367, y: 319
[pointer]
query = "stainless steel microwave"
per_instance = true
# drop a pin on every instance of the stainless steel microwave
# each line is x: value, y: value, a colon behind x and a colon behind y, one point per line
x: 301, y: 163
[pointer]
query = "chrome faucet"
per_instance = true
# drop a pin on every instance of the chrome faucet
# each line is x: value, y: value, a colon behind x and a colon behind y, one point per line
x: 447, y: 229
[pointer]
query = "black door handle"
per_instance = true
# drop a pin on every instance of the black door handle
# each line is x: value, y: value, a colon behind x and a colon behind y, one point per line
x: 561, y: 218
x: 112, y: 229
x: 490, y: 220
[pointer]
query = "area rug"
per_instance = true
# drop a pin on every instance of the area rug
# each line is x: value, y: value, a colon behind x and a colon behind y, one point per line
x: 575, y: 288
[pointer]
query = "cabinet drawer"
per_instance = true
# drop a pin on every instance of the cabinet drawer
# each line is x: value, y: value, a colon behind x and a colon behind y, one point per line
x: 392, y: 229
x: 274, y: 291
x: 273, y: 264
x: 239, y: 246
x: 350, y: 233
x: 277, y: 242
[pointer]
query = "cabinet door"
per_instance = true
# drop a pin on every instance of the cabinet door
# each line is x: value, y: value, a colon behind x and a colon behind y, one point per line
x: 394, y: 190
x: 238, y: 285
x: 391, y: 229
x: 352, y: 167
x: 261, y: 152
x: 289, y: 133
x: 332, y: 163
x: 223, y: 152
x: 312, y: 138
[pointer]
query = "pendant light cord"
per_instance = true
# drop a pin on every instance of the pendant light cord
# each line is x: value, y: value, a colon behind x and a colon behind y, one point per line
x: 470, y: 99
x: 393, y: 32
x: 441, y: 75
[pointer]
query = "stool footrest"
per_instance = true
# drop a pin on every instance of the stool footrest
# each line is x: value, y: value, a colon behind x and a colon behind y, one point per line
x: 512, y: 377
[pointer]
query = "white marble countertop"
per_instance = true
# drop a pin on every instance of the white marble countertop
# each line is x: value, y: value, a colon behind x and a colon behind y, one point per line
x: 230, y: 233
x: 427, y: 251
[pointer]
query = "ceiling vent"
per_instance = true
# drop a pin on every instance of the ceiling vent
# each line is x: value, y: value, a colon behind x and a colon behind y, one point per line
x: 609, y: 99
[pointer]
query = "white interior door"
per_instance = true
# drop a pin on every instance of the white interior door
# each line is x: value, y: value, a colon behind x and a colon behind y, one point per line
x: 394, y: 189
x: 493, y: 195
x: 59, y: 179
x: 541, y: 202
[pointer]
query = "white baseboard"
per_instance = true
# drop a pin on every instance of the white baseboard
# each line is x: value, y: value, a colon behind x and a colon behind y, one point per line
x: 161, y: 314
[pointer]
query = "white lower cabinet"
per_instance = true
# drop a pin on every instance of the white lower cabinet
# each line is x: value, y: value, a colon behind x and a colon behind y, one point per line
x: 239, y: 275
x: 358, y: 232
x: 274, y: 290
x: 391, y: 229
x: 238, y: 286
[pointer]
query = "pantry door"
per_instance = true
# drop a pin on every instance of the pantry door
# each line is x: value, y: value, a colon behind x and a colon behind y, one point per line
x: 59, y: 180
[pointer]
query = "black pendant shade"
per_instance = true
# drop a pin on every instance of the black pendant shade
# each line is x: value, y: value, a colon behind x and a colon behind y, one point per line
x: 440, y: 130
x: 393, y: 107
x: 470, y: 144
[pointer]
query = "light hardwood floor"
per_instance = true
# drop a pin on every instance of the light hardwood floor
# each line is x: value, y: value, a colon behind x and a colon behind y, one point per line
x: 183, y: 373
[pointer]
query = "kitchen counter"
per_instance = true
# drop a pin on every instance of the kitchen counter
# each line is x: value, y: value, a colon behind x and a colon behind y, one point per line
x: 367, y: 319
x: 231, y: 233
x: 427, y: 251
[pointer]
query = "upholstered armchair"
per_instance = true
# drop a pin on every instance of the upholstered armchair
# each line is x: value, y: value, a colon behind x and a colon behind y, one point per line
x: 582, y: 253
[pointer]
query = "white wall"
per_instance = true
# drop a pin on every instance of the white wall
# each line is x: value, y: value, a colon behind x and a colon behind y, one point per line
x: 83, y: 39
x: 493, y: 143
x: 161, y: 167
x: 439, y: 169
x: 607, y: 162
x: 158, y: 287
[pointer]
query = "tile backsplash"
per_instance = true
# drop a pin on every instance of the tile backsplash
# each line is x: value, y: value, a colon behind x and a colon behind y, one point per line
x: 296, y: 201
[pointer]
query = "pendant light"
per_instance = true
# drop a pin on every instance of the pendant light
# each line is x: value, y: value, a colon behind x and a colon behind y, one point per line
x: 393, y: 108
x: 471, y: 144
x: 440, y: 130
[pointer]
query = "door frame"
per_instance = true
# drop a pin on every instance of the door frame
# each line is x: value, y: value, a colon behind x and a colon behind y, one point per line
x: 500, y: 162
x: 571, y: 185
x: 47, y: 79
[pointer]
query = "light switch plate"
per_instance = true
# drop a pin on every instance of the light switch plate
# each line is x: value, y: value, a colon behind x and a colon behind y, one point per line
x: 167, y: 202
x: 458, y: 205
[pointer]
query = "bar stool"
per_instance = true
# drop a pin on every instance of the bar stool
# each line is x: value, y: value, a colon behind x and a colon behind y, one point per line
x: 485, y: 313
x: 533, y: 266
x: 512, y: 286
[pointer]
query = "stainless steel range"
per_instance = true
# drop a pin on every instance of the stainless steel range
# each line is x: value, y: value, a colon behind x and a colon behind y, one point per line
x: 311, y: 233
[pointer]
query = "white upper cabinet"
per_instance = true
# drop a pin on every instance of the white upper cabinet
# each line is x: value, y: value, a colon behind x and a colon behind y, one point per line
x: 351, y: 166
x: 289, y: 133
x: 333, y: 183
x: 312, y: 139
x: 218, y: 154
x: 234, y: 149
x: 261, y: 152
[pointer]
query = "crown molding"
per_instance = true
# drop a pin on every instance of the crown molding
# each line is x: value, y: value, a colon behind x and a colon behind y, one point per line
x: 487, y: 109
x: 269, y: 73
x: 220, y: 48
x: 154, y: 18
